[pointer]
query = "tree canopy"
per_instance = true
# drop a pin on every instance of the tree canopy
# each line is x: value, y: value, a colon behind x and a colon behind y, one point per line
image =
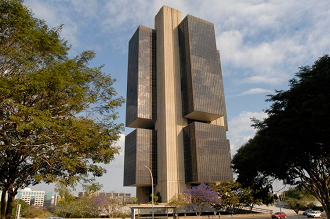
x: 57, y: 114
x: 292, y: 143
x: 233, y: 196
x: 202, y: 196
x: 299, y: 198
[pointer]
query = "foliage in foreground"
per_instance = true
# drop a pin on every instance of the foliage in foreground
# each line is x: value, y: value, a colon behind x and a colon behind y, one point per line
x: 299, y: 198
x: 36, y: 212
x: 227, y: 196
x: 56, y: 113
x: 180, y: 201
x: 293, y: 143
x: 201, y: 196
x: 91, y: 204
x: 233, y: 196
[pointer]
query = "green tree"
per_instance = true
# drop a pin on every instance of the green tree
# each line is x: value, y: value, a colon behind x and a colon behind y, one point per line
x: 83, y: 207
x: 36, y: 212
x: 233, y: 196
x: 293, y: 143
x: 180, y: 201
x: 159, y: 199
x: 72, y: 206
x: 56, y: 113
x: 24, y: 206
x: 300, y: 194
x: 299, y: 198
x: 154, y: 198
x: 67, y: 202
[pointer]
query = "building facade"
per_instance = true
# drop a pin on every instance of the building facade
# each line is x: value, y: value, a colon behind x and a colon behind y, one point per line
x: 175, y: 100
x: 32, y: 197
x: 118, y: 196
x: 36, y: 198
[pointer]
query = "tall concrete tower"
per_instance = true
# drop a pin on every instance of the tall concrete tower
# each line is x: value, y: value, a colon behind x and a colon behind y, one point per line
x: 175, y: 100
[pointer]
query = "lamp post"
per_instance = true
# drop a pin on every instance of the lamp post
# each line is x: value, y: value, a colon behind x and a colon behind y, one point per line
x: 152, y: 192
x: 280, y: 201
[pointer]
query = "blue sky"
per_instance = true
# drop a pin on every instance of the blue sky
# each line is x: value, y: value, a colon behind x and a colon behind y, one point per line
x: 262, y: 43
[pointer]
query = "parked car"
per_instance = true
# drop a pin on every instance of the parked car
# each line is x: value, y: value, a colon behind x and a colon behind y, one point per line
x: 314, y: 214
x: 307, y: 211
x: 279, y: 215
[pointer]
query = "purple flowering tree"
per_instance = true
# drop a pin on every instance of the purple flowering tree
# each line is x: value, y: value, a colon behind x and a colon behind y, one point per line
x: 202, y: 196
x: 108, y: 206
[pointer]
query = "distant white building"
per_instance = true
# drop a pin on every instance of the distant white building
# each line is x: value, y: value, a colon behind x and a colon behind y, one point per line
x: 36, y: 198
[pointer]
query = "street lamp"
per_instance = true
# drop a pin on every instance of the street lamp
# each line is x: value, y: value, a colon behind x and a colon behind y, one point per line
x: 280, y: 201
x: 152, y: 192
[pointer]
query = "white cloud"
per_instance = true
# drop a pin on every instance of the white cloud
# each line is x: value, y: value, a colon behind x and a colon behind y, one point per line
x: 270, y: 40
x: 265, y: 60
x: 56, y: 15
x: 265, y: 37
x: 119, y: 158
x: 240, y: 129
x: 262, y: 80
x: 255, y: 91
x: 86, y: 8
x: 123, y: 15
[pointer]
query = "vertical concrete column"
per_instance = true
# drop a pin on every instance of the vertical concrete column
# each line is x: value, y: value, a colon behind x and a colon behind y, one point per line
x: 169, y: 122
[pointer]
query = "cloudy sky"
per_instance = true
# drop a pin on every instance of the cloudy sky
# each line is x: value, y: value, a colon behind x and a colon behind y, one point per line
x: 262, y: 43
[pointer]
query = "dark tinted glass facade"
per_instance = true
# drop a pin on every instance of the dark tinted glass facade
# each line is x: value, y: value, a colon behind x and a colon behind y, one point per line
x: 206, y: 153
x: 198, y: 133
x: 140, y: 151
x: 201, y: 80
x: 141, y: 79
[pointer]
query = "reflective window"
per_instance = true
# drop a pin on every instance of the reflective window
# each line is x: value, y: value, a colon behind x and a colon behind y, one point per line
x: 140, y: 151
x: 207, y: 153
x: 141, y: 77
x: 201, y: 79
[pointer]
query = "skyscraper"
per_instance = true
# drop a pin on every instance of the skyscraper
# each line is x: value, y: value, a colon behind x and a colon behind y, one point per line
x: 175, y: 100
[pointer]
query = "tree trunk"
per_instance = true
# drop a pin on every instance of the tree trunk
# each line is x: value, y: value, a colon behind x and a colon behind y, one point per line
x: 10, y: 202
x: 3, y: 203
x: 327, y: 209
x: 251, y: 207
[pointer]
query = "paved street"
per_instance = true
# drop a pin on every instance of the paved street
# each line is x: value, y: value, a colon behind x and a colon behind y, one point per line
x: 264, y: 216
x: 300, y: 216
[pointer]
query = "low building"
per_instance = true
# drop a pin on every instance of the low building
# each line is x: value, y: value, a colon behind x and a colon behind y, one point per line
x: 36, y: 198
x: 125, y: 197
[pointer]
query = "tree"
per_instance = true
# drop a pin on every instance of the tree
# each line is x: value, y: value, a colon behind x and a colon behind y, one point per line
x: 230, y: 194
x: 83, y: 207
x: 293, y: 143
x: 56, y: 113
x: 180, y: 201
x: 159, y: 197
x: 76, y: 207
x: 233, y: 196
x: 202, y: 196
x: 23, y: 208
x: 299, y: 198
x: 36, y: 212
x: 154, y: 198
x: 108, y: 206
x: 67, y: 202
x: 259, y: 194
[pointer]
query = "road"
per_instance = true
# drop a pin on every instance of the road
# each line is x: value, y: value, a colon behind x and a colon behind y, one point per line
x: 268, y: 217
